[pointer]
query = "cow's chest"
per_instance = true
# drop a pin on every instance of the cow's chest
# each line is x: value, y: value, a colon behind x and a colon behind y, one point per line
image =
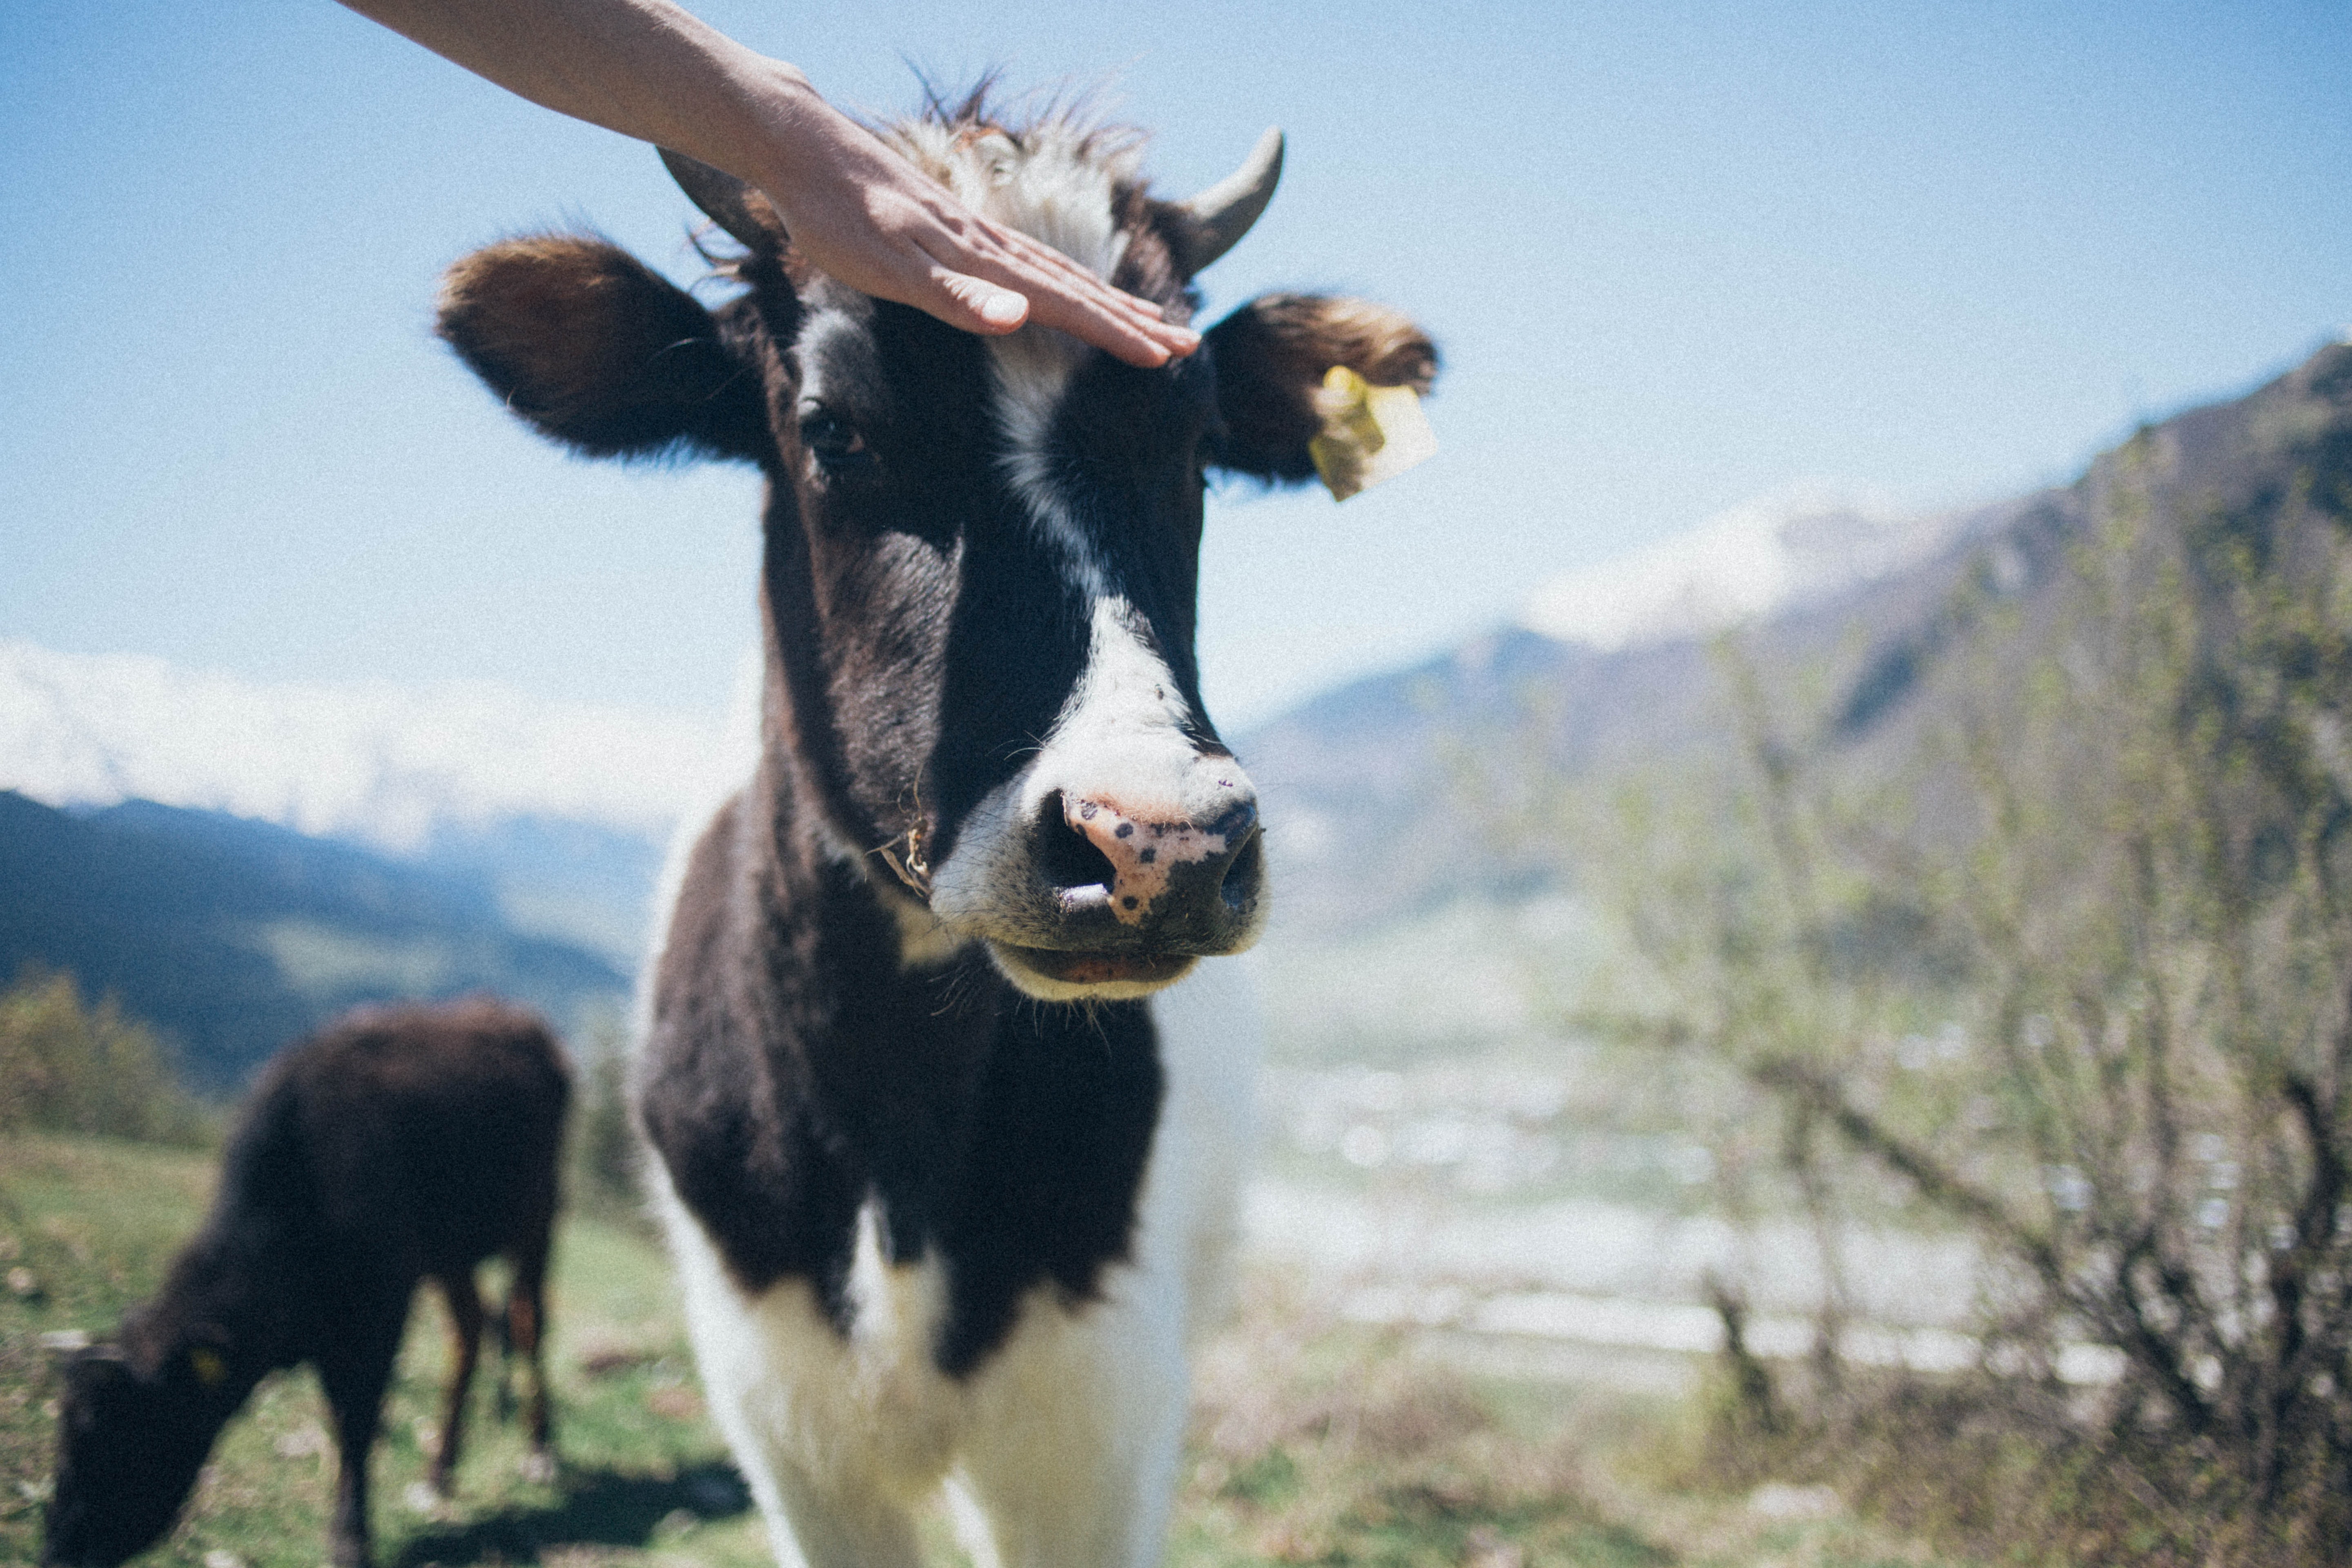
x: 922, y: 1197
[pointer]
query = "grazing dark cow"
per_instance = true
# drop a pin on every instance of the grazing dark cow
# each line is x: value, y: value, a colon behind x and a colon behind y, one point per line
x: 400, y: 1143
x: 946, y: 1194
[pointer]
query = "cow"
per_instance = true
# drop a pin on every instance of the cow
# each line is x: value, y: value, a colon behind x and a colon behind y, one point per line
x: 946, y: 1144
x: 397, y: 1144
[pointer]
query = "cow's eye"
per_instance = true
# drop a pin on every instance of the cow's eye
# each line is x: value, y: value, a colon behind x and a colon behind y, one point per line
x: 837, y: 445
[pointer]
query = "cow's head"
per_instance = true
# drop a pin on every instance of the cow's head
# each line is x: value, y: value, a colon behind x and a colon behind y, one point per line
x: 134, y: 1424
x: 979, y: 579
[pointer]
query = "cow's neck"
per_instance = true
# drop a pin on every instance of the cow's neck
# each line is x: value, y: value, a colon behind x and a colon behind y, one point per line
x: 236, y: 1296
x: 878, y: 1040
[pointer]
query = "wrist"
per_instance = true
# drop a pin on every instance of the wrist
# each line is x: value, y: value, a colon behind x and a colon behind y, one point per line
x: 775, y: 114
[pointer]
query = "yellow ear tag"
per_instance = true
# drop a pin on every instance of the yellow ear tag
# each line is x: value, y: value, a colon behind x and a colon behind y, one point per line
x: 208, y: 1366
x: 1369, y: 434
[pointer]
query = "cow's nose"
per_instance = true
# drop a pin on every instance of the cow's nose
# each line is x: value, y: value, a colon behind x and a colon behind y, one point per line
x: 1188, y: 884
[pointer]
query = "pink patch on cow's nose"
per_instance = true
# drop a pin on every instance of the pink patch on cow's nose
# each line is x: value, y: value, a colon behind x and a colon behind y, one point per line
x: 1142, y: 854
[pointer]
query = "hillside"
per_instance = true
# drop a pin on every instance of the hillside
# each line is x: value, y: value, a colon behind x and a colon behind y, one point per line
x: 235, y: 937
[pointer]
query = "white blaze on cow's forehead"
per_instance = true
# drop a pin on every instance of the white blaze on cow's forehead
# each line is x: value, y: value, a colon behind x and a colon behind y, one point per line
x: 1126, y: 694
x: 1033, y: 375
x: 1057, y: 184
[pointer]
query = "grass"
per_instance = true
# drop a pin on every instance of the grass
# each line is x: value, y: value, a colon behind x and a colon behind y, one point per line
x: 1313, y: 1442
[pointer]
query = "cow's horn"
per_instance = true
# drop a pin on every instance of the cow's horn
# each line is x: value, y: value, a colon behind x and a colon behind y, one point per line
x: 1223, y: 212
x: 725, y: 201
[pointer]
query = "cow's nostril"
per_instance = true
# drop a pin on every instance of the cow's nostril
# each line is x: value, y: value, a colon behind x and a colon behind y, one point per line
x: 1244, y: 873
x: 1067, y: 858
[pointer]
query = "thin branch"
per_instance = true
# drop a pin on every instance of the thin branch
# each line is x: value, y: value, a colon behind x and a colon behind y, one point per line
x: 1934, y: 1181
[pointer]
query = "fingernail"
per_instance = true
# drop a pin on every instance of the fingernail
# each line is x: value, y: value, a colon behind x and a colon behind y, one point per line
x: 1004, y: 309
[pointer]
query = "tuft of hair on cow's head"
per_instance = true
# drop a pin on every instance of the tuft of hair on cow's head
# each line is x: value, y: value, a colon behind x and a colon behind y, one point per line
x: 981, y: 559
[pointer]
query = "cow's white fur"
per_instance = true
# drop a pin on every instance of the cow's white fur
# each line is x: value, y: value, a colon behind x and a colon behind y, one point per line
x: 1062, y: 1447
x: 1121, y: 734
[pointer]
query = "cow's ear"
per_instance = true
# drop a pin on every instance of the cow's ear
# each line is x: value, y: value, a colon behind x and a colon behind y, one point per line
x: 601, y: 352
x: 1271, y: 358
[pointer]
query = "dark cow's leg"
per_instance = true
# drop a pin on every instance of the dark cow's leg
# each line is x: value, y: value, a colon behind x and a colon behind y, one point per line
x: 355, y: 1369
x: 526, y: 1336
x: 466, y: 1347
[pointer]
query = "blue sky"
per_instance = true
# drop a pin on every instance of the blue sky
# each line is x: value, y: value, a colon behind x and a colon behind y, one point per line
x: 1676, y: 255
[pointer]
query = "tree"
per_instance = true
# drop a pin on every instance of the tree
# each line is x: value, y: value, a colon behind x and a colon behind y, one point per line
x: 69, y: 1068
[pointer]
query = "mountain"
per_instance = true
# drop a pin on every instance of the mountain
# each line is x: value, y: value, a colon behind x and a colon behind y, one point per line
x: 561, y: 878
x: 235, y: 937
x: 1381, y: 797
x: 564, y: 809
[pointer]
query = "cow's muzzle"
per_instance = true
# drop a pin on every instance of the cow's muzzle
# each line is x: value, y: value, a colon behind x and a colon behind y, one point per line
x: 1119, y: 900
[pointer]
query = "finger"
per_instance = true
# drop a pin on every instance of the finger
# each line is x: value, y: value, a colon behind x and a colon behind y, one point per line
x: 980, y: 306
x: 1149, y: 342
x: 1082, y: 305
x: 974, y: 253
x: 1140, y: 341
x: 1084, y: 289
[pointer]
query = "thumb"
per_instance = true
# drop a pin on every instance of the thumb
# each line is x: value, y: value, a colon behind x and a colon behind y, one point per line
x: 978, y: 306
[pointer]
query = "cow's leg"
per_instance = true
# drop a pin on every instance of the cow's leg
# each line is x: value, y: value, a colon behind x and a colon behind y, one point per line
x: 526, y: 1337
x: 355, y: 1368
x: 831, y: 1521
x: 841, y: 1518
x: 1077, y: 1423
x: 465, y: 1349
x: 829, y: 1524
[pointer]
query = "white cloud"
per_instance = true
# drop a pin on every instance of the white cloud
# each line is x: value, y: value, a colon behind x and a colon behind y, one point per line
x: 377, y: 761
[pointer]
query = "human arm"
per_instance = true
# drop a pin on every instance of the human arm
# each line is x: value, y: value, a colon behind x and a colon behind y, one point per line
x: 648, y: 69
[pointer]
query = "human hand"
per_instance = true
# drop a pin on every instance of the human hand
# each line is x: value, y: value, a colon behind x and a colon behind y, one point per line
x: 648, y: 69
x: 867, y: 217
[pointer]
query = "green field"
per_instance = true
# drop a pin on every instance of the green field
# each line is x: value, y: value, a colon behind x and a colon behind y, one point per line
x: 1311, y: 1443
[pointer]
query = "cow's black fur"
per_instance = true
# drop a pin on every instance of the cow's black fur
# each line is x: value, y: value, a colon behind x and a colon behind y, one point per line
x: 400, y: 1143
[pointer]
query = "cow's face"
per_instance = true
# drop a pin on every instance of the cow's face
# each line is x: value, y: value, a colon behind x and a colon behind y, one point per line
x: 981, y: 554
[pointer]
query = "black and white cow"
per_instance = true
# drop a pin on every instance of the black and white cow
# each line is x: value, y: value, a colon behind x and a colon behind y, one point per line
x: 946, y: 1192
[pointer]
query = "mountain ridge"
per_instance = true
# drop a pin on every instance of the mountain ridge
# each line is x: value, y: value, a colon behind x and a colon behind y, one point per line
x: 1383, y: 761
x: 235, y: 937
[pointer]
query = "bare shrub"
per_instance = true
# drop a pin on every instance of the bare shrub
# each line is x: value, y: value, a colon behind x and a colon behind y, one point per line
x: 2074, y: 976
x: 601, y: 1176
